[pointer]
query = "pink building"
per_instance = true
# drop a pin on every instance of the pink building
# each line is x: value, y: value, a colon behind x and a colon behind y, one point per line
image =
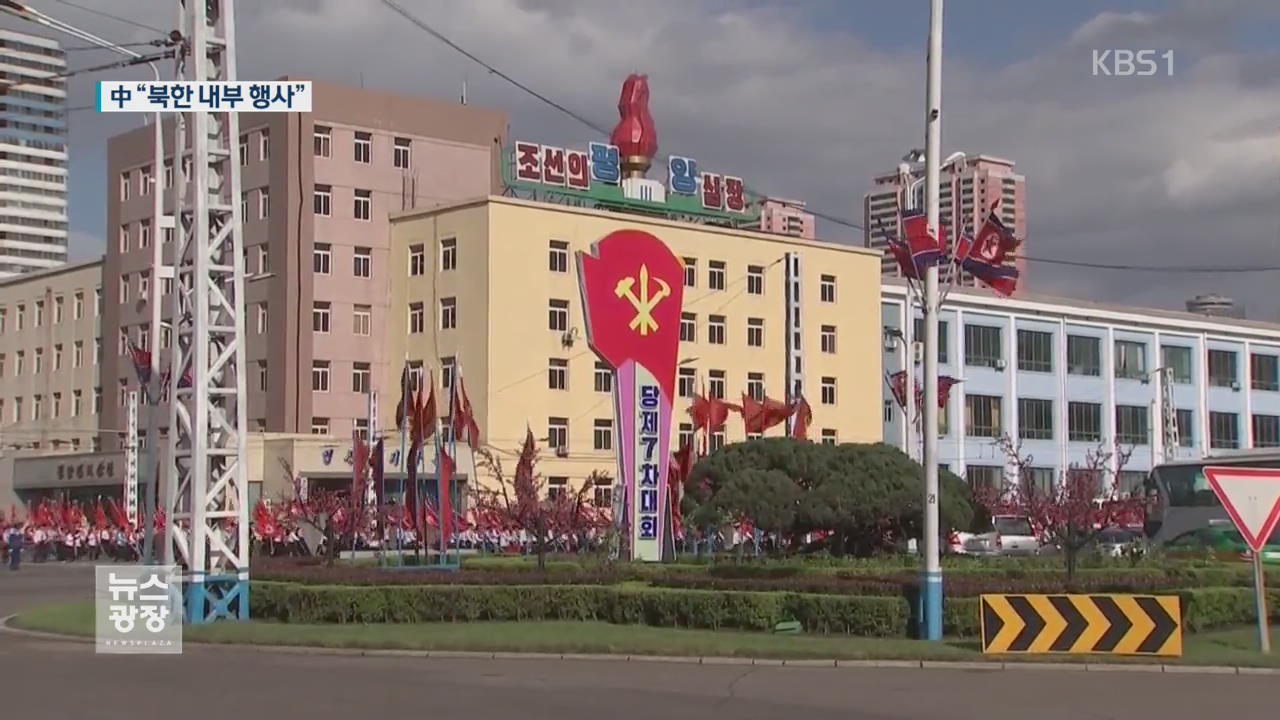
x: 786, y: 217
x: 970, y: 184
x: 317, y: 189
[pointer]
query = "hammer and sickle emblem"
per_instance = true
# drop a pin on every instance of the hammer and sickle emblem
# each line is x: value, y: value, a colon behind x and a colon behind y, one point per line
x: 645, y: 303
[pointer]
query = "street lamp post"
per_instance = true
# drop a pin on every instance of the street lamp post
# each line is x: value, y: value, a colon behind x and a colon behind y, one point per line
x: 891, y: 337
x: 148, y: 475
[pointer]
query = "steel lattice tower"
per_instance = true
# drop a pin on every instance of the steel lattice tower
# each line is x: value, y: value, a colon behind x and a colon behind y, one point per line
x: 207, y: 520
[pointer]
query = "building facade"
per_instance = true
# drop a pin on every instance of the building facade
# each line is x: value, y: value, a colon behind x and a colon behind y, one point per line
x: 490, y: 286
x: 970, y: 184
x: 50, y: 395
x: 33, y: 154
x: 787, y: 217
x: 317, y: 190
x: 1064, y: 377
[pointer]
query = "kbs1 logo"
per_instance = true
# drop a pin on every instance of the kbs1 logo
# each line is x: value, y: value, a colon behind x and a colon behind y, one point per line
x: 1132, y: 63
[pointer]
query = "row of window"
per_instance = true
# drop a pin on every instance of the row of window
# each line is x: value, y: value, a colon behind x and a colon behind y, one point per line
x: 558, y: 262
x: 59, y: 311
x: 602, y: 435
x: 983, y: 417
x: 361, y: 260
x: 686, y: 381
x: 53, y: 405
x: 361, y: 147
x: 322, y: 202
x: 37, y: 358
x: 322, y: 318
x: 983, y: 347
x: 125, y: 241
x: 1128, y: 482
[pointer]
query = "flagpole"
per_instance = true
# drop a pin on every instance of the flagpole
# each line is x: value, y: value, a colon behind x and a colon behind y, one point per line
x: 931, y: 585
x: 404, y: 457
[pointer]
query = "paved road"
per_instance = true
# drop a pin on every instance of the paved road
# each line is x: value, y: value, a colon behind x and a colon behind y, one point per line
x: 47, y: 679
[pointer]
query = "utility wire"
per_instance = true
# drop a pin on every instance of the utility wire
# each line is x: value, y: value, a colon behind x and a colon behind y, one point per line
x: 816, y: 213
x: 109, y: 16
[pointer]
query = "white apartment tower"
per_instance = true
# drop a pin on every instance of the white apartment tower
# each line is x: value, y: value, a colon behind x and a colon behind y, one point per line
x: 33, y: 154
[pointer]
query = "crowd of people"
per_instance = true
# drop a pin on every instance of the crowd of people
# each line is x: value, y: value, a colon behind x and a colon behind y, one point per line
x: 67, y: 531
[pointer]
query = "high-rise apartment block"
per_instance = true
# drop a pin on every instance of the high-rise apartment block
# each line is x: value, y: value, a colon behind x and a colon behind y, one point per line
x: 786, y: 217
x: 317, y: 189
x: 970, y: 185
x: 33, y: 154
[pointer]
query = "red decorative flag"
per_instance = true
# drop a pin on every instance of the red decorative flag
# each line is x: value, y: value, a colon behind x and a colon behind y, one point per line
x: 406, y: 396
x: 461, y: 415
x: 803, y: 415
x: 920, y: 250
x: 898, y: 386
x: 985, y: 256
x: 141, y: 362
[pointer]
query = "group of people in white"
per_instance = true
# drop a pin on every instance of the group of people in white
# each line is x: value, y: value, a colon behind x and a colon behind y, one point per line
x: 48, y: 543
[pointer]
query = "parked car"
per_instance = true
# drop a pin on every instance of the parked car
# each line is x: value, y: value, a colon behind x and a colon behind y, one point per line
x: 1119, y: 542
x: 1221, y: 541
x: 1012, y: 535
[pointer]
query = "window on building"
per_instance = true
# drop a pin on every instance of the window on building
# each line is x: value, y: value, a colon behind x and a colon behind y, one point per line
x: 417, y: 318
x: 1035, y: 351
x: 17, y: 409
x: 363, y: 147
x: 755, y: 385
x: 686, y: 435
x: 264, y: 203
x: 403, y: 153
x: 603, y: 378
x: 77, y: 403
x: 1130, y: 483
x: 984, y: 477
x: 448, y: 313
x: 448, y: 255
x: 166, y: 336
x: 362, y: 262
x: 361, y: 427
x: 262, y: 375
x: 77, y: 356
x: 1224, y: 430
x: 244, y: 206
x: 828, y: 335
x: 1131, y: 359
x: 982, y: 416
x: 1177, y: 359
x: 39, y: 363
x: 828, y: 391
x: 688, y: 327
x: 602, y: 434
x: 166, y: 236
x: 264, y: 144
x: 558, y: 433
x: 447, y: 366
x: 715, y: 275
x: 97, y: 401
x: 144, y: 180
x: 558, y: 315
x: 1084, y: 422
x: 125, y: 185
x: 1264, y: 372
x: 690, y: 272
x: 97, y: 350
x: 829, y: 437
x: 144, y: 285
x: 1184, y: 419
x: 57, y: 405
x: 1035, y: 419
x: 37, y: 407
x: 715, y: 383
x: 77, y: 308
x: 755, y: 332
x: 168, y: 173
x: 22, y: 316
x: 418, y: 259
x: 320, y: 376
x: 320, y: 316
x: 362, y: 320
x: 1132, y: 425
x: 1266, y: 431
x: 755, y: 280
x: 57, y: 357
x: 322, y: 200
x: 39, y: 320
x: 686, y: 382
x: 321, y: 141
x: 361, y: 378
x: 827, y: 288
x: 557, y: 487
x: 1222, y: 368
x: 715, y: 329
x: 321, y: 258
x: 244, y: 150
x: 558, y: 374
x: 363, y: 205
x: 57, y: 310
x: 319, y: 426
x: 918, y: 336
x: 558, y: 256
x: 717, y: 440
x: 982, y: 347
x: 602, y: 493
x: 1084, y: 355
x: 1040, y: 479
x: 262, y: 318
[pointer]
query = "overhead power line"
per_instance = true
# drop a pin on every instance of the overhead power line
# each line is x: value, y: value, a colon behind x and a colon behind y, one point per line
x: 422, y: 25
x: 109, y: 16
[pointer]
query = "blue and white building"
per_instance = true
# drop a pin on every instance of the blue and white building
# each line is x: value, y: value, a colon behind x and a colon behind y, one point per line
x: 1064, y: 376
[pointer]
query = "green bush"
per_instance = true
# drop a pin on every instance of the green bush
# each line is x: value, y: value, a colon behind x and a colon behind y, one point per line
x: 1205, y: 608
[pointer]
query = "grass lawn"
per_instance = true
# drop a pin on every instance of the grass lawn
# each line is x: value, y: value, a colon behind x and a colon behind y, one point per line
x: 1226, y: 647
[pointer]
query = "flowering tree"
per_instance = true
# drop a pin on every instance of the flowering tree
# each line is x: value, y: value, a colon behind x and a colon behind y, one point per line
x: 521, y: 503
x: 1084, y: 501
x: 328, y: 512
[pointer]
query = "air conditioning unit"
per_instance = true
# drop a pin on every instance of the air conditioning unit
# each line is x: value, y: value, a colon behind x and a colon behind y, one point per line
x: 568, y: 337
x: 1235, y: 386
x: 562, y: 452
x: 999, y: 365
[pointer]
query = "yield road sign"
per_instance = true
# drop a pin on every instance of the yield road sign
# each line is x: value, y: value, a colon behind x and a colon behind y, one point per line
x: 1251, y: 497
x: 1115, y: 624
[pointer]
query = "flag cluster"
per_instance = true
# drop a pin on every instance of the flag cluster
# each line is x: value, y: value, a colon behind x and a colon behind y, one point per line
x: 984, y: 256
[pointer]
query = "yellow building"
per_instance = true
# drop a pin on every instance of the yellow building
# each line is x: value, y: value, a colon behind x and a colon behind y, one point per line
x: 491, y: 285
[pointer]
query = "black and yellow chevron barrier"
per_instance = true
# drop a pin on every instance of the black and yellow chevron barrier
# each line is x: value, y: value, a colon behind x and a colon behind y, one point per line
x: 1115, y: 624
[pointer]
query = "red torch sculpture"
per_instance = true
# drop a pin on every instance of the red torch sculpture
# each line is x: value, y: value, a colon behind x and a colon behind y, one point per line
x: 634, y: 135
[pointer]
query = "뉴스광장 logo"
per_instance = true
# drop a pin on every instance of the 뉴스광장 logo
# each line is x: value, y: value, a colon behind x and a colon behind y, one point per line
x: 138, y: 609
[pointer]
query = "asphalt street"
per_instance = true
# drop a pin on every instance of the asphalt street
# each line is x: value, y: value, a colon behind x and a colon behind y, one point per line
x: 54, y: 679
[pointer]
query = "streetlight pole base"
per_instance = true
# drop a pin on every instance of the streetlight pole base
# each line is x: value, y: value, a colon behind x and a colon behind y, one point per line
x: 929, y: 605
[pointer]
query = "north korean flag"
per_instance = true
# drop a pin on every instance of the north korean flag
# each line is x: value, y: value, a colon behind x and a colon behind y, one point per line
x: 919, y: 250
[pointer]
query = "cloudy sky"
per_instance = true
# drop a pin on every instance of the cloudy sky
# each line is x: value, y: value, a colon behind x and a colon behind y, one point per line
x: 809, y: 99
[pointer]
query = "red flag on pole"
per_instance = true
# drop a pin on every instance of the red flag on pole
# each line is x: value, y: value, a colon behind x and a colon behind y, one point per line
x: 461, y: 416
x: 803, y: 415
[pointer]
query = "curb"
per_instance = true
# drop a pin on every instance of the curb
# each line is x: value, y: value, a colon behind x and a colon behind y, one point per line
x: 976, y: 666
